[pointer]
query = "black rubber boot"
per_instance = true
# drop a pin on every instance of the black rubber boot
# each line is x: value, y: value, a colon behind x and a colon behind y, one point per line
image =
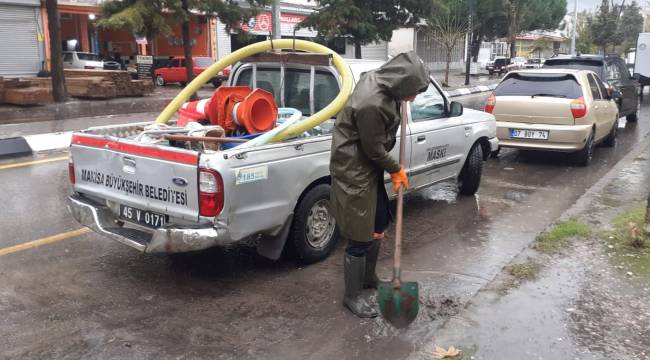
x: 371, y: 280
x: 354, y: 269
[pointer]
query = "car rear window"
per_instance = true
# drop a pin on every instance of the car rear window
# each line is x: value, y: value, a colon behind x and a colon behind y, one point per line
x: 593, y: 65
x: 501, y: 62
x: 554, y: 85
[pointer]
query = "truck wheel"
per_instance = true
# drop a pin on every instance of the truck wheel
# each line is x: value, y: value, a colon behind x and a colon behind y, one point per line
x: 610, y: 140
x: 470, y: 176
x: 160, y: 81
x: 633, y: 117
x: 584, y: 156
x: 313, y: 231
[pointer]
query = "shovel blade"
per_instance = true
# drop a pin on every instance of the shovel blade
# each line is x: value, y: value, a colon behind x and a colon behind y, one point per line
x: 399, y: 306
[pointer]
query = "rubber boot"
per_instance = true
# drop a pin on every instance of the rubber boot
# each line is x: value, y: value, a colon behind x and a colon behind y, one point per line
x: 371, y: 280
x: 354, y: 269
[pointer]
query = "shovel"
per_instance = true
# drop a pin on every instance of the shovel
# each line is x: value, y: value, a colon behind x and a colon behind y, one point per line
x: 399, y: 300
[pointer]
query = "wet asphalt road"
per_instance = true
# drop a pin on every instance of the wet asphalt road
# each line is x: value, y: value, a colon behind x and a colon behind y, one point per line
x: 89, y: 297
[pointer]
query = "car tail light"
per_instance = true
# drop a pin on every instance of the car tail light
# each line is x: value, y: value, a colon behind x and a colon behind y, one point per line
x: 71, y: 171
x: 210, y: 193
x: 578, y: 108
x: 490, y: 103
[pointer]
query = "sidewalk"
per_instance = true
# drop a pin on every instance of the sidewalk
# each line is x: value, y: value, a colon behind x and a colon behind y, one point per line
x: 76, y: 108
x: 477, y: 83
x: 584, y: 297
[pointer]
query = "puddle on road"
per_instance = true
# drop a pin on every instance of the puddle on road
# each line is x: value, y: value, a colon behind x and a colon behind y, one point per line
x: 446, y: 192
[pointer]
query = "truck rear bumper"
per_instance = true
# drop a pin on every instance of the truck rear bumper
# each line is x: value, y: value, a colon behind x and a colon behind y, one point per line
x: 164, y: 240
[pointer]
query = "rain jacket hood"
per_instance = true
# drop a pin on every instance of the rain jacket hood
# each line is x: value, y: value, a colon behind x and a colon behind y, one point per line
x: 403, y: 76
x: 363, y: 135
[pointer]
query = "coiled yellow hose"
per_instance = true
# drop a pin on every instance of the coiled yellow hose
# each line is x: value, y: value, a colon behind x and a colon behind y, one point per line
x: 326, y: 113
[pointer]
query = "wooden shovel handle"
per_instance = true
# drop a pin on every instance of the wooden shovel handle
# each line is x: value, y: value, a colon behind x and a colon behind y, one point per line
x: 203, y: 138
x: 397, y: 269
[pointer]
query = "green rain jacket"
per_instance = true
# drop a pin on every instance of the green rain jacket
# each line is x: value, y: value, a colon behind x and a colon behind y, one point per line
x: 364, y: 133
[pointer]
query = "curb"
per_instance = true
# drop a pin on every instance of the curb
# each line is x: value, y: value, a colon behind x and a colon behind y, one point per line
x: 27, y: 145
x: 470, y: 90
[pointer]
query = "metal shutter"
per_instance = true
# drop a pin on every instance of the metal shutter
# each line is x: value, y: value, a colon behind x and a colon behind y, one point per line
x: 374, y: 51
x: 19, y: 40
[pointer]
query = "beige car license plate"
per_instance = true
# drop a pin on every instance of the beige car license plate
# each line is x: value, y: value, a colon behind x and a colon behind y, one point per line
x: 529, y: 134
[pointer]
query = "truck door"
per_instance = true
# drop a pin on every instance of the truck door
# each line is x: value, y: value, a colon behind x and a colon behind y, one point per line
x: 436, y: 139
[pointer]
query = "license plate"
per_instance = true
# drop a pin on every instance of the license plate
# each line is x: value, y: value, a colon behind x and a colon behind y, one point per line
x: 143, y: 217
x: 529, y: 134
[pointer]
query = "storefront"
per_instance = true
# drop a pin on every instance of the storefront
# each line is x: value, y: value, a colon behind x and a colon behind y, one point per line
x: 260, y: 28
x: 21, y: 36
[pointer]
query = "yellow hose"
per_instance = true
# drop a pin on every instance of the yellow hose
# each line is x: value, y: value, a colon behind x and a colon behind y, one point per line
x: 326, y: 113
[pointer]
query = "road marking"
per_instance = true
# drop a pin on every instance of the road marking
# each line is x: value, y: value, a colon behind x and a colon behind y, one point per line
x: 30, y: 163
x: 43, y: 241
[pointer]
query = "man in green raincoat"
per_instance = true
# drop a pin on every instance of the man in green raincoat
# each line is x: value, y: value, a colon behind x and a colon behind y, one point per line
x: 364, y: 133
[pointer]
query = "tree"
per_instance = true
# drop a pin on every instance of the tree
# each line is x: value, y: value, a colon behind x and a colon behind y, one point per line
x: 59, y: 90
x: 630, y: 25
x: 604, y: 26
x: 527, y: 15
x: 489, y: 23
x: 539, y: 46
x: 365, y: 21
x: 151, y: 18
x: 448, y: 26
x: 584, y: 40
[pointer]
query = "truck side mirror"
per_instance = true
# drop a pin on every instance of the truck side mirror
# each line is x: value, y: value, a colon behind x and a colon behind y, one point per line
x: 455, y: 109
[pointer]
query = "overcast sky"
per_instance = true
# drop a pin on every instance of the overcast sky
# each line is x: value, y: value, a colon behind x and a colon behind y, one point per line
x: 593, y: 4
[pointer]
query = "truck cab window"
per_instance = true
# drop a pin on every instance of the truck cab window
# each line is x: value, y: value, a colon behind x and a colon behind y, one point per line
x: 428, y: 105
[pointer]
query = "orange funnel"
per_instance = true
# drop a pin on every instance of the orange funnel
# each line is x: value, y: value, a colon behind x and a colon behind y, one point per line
x: 238, y: 106
x: 257, y: 113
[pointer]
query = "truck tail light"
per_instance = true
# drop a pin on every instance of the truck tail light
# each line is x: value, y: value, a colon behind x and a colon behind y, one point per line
x: 490, y: 103
x: 71, y: 171
x: 210, y: 193
x: 578, y: 108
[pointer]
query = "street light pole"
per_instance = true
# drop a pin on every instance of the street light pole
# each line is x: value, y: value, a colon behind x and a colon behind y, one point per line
x: 575, y: 27
x: 275, y: 9
x: 470, y: 38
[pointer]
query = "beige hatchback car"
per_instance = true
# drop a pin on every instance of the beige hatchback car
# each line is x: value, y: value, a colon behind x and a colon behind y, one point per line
x: 558, y: 110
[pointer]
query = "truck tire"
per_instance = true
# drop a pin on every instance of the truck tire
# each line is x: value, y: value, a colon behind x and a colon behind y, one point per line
x: 313, y: 231
x: 584, y: 156
x: 634, y: 116
x: 470, y: 176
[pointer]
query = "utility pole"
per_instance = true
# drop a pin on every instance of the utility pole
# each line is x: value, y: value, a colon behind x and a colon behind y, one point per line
x: 575, y: 27
x: 470, y: 37
x: 275, y: 9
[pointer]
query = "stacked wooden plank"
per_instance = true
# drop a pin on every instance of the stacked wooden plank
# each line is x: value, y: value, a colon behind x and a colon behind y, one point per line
x: 89, y: 84
x: 23, y: 92
x: 121, y: 80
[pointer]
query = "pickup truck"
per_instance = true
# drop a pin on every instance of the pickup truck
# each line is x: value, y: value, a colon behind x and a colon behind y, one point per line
x: 161, y: 198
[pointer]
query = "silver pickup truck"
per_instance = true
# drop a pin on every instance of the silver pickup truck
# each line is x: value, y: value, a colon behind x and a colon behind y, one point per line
x: 161, y: 198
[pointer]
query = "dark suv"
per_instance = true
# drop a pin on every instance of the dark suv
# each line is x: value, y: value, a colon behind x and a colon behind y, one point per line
x: 500, y: 66
x: 610, y: 68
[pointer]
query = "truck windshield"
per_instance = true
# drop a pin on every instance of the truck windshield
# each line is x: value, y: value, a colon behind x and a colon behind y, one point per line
x: 553, y: 85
